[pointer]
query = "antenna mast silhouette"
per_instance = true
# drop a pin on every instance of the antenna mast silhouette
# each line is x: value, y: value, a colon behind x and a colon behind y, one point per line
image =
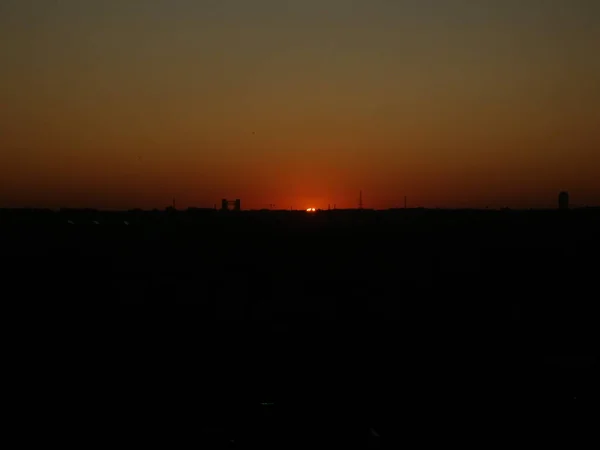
x: 360, y: 203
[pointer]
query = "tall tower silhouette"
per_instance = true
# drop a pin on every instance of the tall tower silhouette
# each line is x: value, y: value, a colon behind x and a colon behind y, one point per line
x: 360, y: 203
x: 563, y: 200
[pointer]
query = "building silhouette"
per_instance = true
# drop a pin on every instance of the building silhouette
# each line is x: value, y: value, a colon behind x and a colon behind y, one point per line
x: 226, y: 203
x: 563, y: 200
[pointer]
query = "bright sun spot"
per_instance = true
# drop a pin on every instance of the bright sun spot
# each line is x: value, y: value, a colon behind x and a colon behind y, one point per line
x: 310, y: 209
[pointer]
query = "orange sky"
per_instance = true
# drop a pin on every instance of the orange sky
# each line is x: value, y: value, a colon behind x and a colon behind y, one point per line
x: 128, y: 104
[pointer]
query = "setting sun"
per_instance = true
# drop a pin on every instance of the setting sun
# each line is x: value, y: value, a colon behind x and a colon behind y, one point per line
x: 310, y: 209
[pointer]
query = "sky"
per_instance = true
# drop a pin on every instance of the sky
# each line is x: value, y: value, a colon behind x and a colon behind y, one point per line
x: 118, y: 104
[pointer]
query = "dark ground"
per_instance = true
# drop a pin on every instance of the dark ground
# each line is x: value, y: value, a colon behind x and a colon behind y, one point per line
x: 427, y: 326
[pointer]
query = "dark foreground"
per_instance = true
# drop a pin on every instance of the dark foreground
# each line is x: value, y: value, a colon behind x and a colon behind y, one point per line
x: 288, y: 328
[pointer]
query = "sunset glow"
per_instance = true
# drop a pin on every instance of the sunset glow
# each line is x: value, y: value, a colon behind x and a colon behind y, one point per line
x: 453, y: 104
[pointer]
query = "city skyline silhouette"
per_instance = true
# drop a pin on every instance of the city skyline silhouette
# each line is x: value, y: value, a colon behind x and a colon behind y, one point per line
x: 302, y: 223
x: 454, y: 105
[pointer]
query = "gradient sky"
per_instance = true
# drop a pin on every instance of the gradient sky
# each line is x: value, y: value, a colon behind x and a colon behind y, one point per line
x: 129, y: 103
